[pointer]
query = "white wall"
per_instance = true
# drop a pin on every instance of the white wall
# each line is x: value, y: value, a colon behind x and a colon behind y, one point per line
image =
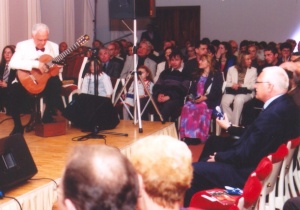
x: 269, y: 20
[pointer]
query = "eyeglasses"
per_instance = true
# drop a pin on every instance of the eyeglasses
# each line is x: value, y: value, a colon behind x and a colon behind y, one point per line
x: 257, y: 82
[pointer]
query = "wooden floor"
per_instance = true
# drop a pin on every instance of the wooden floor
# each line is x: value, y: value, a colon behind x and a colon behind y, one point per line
x: 45, y: 151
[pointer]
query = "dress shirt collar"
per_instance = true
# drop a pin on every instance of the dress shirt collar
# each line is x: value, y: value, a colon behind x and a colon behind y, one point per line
x: 267, y: 103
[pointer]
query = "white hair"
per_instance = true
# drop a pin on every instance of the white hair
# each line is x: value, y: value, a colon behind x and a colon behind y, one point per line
x: 277, y: 76
x: 39, y: 27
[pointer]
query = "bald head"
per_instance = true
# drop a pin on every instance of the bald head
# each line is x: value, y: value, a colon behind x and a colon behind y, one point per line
x: 99, y: 177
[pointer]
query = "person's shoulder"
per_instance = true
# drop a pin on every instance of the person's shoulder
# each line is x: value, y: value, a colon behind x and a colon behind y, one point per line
x: 25, y: 43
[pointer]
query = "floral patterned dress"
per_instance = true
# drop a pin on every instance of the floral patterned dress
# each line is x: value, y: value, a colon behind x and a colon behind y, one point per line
x: 195, y: 117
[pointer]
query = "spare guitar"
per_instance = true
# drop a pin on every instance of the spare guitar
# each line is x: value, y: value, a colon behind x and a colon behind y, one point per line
x: 34, y: 81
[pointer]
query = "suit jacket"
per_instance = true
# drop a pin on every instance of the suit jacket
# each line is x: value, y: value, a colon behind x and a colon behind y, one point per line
x: 114, y: 68
x: 128, y: 66
x: 274, y: 126
x: 26, y: 55
x: 249, y: 80
x: 215, y: 94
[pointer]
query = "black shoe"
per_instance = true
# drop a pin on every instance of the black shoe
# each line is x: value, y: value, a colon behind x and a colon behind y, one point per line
x: 17, y: 130
x: 191, y: 141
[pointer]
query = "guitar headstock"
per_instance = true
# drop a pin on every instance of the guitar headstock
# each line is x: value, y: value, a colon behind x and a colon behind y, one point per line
x: 83, y: 39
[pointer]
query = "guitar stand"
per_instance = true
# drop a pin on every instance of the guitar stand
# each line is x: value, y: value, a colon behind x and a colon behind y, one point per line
x: 35, y: 118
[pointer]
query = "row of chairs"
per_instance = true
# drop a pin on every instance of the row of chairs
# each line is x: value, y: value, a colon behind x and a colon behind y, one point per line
x: 275, y: 180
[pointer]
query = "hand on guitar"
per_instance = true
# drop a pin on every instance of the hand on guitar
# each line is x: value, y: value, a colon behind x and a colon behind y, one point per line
x: 43, y: 67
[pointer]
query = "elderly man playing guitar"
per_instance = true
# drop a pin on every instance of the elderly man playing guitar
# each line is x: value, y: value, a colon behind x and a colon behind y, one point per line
x: 28, y: 57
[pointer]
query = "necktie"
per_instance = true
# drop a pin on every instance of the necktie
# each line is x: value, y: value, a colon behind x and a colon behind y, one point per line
x: 5, y: 73
x: 104, y: 67
x: 37, y: 49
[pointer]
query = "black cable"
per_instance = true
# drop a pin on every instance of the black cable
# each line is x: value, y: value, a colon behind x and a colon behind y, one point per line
x: 89, y: 136
x: 14, y: 199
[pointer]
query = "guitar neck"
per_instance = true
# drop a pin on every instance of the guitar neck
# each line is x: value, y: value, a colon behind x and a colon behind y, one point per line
x: 61, y: 56
x: 83, y: 39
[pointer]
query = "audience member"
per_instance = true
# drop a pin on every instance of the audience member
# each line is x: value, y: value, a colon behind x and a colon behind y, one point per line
x: 293, y: 43
x: 243, y: 46
x: 252, y: 49
x: 98, y: 177
x: 97, y: 44
x: 146, y: 76
x: 171, y: 88
x: 298, y: 46
x: 225, y: 57
x: 62, y: 47
x: 228, y: 162
x: 192, y: 64
x: 165, y: 172
x: 143, y: 51
x: 104, y: 89
x: 294, y: 87
x: 271, y: 56
x: 114, y: 53
x: 286, y: 52
x: 234, y: 47
x: 129, y: 49
x: 239, y: 87
x: 26, y: 58
x: 5, y: 75
x: 110, y: 66
x: 204, y: 95
x: 165, y: 64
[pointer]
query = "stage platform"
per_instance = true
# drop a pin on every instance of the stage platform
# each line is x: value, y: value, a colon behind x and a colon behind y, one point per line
x: 50, y: 154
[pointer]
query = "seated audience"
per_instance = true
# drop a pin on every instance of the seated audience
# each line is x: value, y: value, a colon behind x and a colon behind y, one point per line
x: 98, y: 177
x: 62, y: 47
x: 104, y: 89
x: 286, y: 52
x: 165, y: 172
x: 204, y: 95
x: 143, y: 52
x: 201, y: 48
x: 111, y: 67
x: 234, y: 47
x: 171, y: 88
x: 5, y: 75
x: 239, y: 87
x: 294, y: 87
x: 226, y: 161
x: 165, y: 64
x: 225, y: 57
x: 145, y: 75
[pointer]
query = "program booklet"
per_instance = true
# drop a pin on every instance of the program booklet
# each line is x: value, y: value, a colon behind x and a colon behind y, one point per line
x: 222, y: 196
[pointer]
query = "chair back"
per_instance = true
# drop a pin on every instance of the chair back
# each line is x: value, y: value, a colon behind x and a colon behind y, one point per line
x: 270, y: 182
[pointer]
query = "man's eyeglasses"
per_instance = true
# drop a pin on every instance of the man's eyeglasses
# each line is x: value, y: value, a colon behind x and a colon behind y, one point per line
x: 257, y: 82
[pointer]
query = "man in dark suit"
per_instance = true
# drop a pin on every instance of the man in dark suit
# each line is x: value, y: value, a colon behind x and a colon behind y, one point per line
x: 228, y: 162
x: 111, y: 67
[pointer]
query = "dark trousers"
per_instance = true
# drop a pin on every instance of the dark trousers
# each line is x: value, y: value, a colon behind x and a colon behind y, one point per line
x: 208, y: 175
x: 18, y: 97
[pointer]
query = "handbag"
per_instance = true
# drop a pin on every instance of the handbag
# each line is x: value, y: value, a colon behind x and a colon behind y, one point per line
x: 240, y: 90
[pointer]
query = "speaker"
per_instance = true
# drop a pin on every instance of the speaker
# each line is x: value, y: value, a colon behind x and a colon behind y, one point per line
x: 131, y: 9
x: 16, y: 163
x: 89, y: 111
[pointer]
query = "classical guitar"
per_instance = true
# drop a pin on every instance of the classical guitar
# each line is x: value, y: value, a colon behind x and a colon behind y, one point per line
x: 34, y: 81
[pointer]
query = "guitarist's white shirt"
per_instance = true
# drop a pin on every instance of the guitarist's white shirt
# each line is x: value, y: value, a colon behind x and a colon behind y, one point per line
x: 26, y: 56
